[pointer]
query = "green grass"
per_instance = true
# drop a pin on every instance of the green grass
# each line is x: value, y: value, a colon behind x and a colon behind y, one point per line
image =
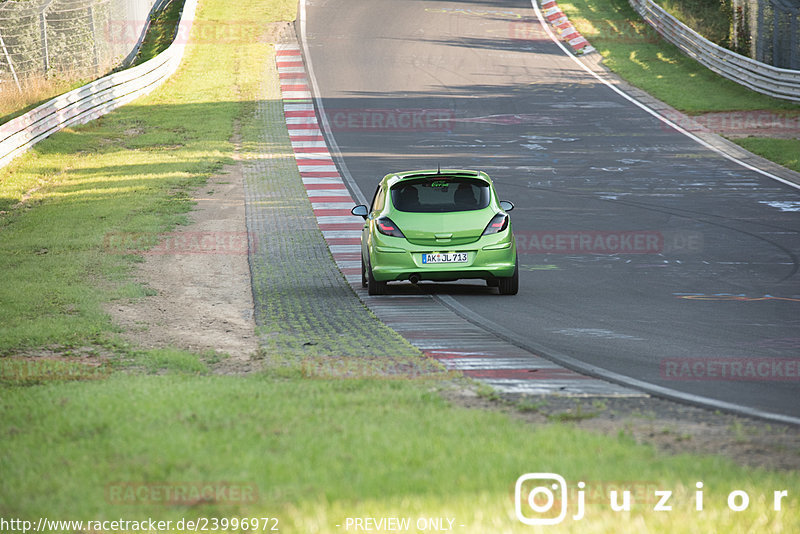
x: 709, y: 18
x: 785, y: 152
x: 318, y: 451
x: 159, y: 360
x: 161, y: 31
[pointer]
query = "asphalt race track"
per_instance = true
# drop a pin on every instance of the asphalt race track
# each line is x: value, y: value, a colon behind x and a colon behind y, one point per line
x: 642, y: 252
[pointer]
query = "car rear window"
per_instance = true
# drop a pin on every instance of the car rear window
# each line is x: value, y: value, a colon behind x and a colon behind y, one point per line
x: 434, y: 195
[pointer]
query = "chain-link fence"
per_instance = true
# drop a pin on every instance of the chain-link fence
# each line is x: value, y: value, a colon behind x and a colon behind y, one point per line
x: 96, y: 98
x: 767, y: 31
x: 71, y: 39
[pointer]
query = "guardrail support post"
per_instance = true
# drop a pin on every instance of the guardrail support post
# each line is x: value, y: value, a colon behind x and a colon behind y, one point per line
x: 95, y: 54
x: 45, y: 51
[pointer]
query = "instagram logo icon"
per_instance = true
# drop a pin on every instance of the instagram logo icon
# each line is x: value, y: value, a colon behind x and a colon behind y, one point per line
x: 541, y: 498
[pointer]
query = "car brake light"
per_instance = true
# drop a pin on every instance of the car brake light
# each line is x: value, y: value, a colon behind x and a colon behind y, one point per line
x: 498, y: 223
x: 387, y: 227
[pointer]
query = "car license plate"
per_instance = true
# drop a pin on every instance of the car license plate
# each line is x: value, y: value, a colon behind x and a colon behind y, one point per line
x: 444, y: 257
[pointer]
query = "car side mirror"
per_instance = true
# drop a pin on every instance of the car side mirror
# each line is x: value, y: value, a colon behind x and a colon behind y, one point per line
x: 361, y: 210
x: 505, y: 205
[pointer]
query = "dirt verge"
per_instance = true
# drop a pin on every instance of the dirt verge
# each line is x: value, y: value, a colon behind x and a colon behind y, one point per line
x: 200, y: 278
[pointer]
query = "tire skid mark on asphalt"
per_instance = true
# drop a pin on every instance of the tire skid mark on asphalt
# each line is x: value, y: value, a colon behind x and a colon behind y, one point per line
x: 434, y: 329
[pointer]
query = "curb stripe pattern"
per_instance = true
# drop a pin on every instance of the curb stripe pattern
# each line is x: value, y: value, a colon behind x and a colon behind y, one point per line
x: 434, y: 329
x: 553, y: 14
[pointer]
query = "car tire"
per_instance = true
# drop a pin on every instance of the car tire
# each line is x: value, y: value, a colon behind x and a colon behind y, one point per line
x: 510, y: 285
x: 492, y: 282
x: 374, y: 287
x: 363, y: 273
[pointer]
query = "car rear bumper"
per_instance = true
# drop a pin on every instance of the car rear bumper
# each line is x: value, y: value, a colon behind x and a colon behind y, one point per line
x: 490, y: 257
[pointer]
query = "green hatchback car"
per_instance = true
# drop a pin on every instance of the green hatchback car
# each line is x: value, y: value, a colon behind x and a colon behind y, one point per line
x: 439, y: 225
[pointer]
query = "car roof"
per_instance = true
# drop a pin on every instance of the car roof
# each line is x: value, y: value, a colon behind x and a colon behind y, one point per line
x: 391, y: 179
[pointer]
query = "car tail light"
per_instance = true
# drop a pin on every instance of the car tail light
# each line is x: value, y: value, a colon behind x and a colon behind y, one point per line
x: 498, y: 223
x: 386, y: 226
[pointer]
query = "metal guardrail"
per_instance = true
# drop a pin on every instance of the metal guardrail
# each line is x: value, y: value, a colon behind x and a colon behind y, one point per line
x: 95, y: 99
x: 760, y: 77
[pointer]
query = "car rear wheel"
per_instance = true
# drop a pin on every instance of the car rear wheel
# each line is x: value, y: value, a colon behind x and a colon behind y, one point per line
x: 363, y: 273
x: 374, y: 287
x: 492, y: 282
x: 510, y: 285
